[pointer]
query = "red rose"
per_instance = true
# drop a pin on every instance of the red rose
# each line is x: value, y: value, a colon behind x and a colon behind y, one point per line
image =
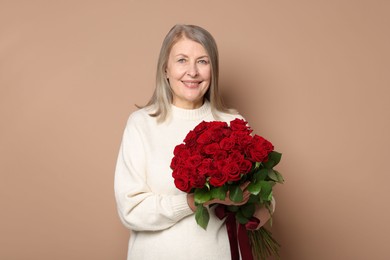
x: 182, y: 184
x: 190, y: 139
x: 218, y: 179
x: 199, y: 149
x: 242, y: 138
x: 218, y: 124
x: 197, y: 180
x: 238, y: 125
x: 268, y: 146
x: 236, y: 156
x: 216, y: 134
x: 201, y: 127
x: 232, y: 170
x: 221, y: 164
x: 245, y: 166
x: 204, y: 138
x: 205, y: 167
x: 174, y: 162
x: 220, y: 155
x: 180, y: 172
x: 183, y: 154
x: 227, y: 143
x: 259, y: 149
x: 211, y: 148
x: 179, y: 148
x: 227, y: 131
x: 194, y: 161
x: 213, y: 168
x: 256, y: 153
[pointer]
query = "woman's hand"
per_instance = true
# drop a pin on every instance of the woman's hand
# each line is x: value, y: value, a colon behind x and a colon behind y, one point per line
x: 262, y: 213
x: 227, y: 201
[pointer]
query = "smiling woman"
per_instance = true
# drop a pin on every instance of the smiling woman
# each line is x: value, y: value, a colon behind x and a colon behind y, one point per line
x: 189, y: 73
x: 200, y: 41
x: 149, y: 204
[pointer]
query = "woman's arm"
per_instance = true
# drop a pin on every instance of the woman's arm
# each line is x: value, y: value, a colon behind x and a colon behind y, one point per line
x: 139, y: 208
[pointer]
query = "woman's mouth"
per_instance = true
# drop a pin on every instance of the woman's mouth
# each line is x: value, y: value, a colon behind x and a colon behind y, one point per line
x: 191, y: 84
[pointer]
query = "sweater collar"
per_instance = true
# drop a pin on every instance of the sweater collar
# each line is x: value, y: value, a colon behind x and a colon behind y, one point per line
x: 192, y: 114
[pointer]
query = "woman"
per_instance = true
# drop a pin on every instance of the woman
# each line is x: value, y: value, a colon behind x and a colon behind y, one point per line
x: 159, y: 216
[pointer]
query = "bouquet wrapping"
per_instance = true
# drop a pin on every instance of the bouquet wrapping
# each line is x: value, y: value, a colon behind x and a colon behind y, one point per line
x: 213, y: 161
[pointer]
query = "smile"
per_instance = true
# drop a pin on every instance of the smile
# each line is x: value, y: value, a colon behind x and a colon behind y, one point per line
x: 192, y: 84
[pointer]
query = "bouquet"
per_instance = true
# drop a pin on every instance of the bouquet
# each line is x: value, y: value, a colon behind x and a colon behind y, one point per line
x: 213, y: 161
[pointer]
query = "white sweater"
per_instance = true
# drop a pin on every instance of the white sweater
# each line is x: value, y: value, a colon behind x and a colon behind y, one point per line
x: 162, y: 226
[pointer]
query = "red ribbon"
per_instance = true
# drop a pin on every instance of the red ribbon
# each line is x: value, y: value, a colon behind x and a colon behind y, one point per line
x: 237, y: 237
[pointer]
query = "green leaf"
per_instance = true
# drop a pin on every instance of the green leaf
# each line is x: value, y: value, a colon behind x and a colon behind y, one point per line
x: 236, y: 194
x: 241, y: 218
x: 218, y: 193
x: 202, y: 216
x: 253, y: 199
x: 254, y: 187
x: 273, y: 160
x: 233, y: 208
x: 248, y: 210
x: 266, y: 190
x: 261, y: 175
x: 275, y: 157
x: 269, y: 164
x: 279, y: 177
x: 202, y: 195
x: 272, y: 175
x: 269, y: 198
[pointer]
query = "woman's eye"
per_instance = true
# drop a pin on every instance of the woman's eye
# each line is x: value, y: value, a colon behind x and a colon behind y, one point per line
x: 181, y: 60
x: 203, y: 61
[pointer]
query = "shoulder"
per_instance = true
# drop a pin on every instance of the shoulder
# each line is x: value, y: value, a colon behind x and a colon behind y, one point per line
x: 140, y: 117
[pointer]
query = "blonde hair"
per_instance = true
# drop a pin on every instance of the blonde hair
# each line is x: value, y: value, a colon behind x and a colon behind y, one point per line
x: 162, y: 96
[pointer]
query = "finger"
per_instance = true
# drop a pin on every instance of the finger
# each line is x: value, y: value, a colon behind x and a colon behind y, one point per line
x: 246, y: 193
x: 244, y: 185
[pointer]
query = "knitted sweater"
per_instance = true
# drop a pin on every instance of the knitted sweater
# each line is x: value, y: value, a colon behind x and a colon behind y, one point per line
x: 162, y: 226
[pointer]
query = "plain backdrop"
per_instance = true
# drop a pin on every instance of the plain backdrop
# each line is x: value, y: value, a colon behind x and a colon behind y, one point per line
x: 311, y: 76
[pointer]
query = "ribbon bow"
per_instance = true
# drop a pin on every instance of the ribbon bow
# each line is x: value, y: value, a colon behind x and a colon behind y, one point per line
x: 238, y: 237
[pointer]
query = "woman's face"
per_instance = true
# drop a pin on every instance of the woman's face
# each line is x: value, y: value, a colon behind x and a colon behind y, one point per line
x: 189, y: 73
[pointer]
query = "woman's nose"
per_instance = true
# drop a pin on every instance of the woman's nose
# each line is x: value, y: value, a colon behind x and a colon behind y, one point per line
x: 192, y: 70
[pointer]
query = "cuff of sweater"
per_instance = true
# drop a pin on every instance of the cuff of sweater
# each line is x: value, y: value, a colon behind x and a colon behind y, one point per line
x: 180, y: 206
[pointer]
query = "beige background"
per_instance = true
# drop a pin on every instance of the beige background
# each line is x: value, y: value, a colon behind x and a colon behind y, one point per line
x: 311, y: 76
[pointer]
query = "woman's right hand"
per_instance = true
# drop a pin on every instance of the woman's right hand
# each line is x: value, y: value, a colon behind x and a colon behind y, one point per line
x: 227, y: 201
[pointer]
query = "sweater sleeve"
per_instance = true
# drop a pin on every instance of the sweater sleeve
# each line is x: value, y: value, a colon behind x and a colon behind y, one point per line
x: 139, y: 208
